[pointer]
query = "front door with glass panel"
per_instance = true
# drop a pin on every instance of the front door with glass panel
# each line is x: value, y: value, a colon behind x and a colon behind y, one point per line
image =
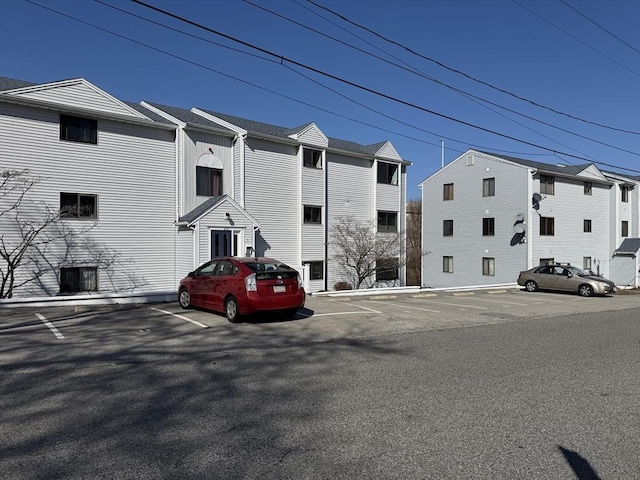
x: 221, y: 245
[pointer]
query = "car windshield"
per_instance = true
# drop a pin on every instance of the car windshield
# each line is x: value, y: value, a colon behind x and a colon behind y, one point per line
x: 267, y: 266
x: 577, y: 271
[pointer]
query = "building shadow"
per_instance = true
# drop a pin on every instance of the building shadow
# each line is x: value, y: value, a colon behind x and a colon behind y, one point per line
x: 580, y: 466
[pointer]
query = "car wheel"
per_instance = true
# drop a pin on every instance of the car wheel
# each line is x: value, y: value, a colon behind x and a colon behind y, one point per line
x: 184, y: 299
x: 585, y: 290
x: 231, y: 310
x: 531, y: 286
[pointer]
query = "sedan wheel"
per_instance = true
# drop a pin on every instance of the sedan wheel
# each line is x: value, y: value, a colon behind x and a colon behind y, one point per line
x: 531, y: 286
x: 585, y: 290
x: 184, y: 298
x: 231, y: 310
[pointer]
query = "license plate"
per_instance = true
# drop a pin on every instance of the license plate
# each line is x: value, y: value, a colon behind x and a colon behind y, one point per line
x: 279, y: 288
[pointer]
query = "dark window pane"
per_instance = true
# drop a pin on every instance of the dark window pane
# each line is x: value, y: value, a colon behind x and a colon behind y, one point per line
x: 208, y: 182
x: 76, y: 129
x: 69, y: 205
x: 386, y: 269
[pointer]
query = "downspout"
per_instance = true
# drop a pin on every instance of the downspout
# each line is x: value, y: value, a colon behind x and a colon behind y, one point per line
x: 242, y: 139
x: 529, y: 232
x: 325, y: 274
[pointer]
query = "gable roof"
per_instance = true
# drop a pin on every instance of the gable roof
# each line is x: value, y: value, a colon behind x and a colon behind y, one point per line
x: 209, y: 205
x: 188, y: 117
x: 7, y: 83
x: 262, y: 128
x: 629, y: 246
x: 545, y: 167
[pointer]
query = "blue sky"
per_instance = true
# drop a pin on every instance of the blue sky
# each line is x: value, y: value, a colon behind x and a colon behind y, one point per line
x: 580, y: 58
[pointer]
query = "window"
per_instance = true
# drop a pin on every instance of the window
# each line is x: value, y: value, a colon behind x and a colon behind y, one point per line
x: 488, y: 226
x: 312, y: 214
x: 587, y: 226
x: 624, y: 193
x: 311, y: 158
x: 78, y: 205
x: 447, y: 228
x: 387, y: 222
x: 387, y: 173
x: 447, y: 264
x: 316, y: 270
x: 588, y: 186
x: 78, y: 279
x: 489, y: 187
x: 225, y: 267
x: 547, y: 226
x: 208, y: 181
x: 76, y: 129
x: 547, y: 261
x: 447, y: 193
x: 586, y: 263
x: 625, y: 228
x: 488, y: 266
x: 386, y: 269
x: 547, y: 184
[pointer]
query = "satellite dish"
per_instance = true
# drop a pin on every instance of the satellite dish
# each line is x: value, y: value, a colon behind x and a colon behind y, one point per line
x: 520, y: 228
x: 536, y: 200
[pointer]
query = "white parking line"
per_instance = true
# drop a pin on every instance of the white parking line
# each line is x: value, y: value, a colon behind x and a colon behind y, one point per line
x: 201, y: 325
x: 53, y: 329
x: 330, y: 314
x: 406, y: 306
x: 498, y: 301
x: 452, y: 304
x: 366, y: 308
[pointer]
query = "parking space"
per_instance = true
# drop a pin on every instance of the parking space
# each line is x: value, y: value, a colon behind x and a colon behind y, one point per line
x: 323, y: 319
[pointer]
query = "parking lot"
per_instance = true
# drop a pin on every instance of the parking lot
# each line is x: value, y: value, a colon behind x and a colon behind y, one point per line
x: 323, y: 319
x: 490, y: 382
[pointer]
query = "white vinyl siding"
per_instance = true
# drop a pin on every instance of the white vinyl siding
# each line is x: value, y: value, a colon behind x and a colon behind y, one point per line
x: 196, y: 144
x: 272, y: 173
x: 567, y: 207
x: 468, y: 246
x: 80, y: 95
x: 131, y: 171
x: 350, y: 193
x: 313, y: 136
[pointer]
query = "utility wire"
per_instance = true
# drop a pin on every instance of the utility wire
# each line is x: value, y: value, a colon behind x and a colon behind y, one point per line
x: 578, y: 40
x: 478, y: 100
x: 567, y: 4
x: 301, y: 101
x: 284, y: 59
x: 287, y: 97
x: 471, y: 77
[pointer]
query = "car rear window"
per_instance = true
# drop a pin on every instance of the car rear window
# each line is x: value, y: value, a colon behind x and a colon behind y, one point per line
x: 268, y: 267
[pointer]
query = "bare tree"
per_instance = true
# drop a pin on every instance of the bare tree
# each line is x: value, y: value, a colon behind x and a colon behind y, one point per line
x: 362, y: 253
x: 414, y: 242
x: 26, y: 228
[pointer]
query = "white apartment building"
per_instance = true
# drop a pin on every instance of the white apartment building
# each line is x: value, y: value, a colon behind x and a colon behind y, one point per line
x: 160, y: 189
x: 486, y: 217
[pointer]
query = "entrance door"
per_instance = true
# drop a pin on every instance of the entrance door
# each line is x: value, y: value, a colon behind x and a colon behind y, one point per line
x: 221, y: 243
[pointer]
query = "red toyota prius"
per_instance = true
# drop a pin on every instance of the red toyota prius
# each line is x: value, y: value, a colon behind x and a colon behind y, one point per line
x: 241, y: 286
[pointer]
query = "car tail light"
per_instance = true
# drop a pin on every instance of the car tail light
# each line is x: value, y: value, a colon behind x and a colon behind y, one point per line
x: 250, y: 283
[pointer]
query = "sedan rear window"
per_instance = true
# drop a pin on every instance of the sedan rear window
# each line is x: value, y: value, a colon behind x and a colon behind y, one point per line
x: 267, y: 267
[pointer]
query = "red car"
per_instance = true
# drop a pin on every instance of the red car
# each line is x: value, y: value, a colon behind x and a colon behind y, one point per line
x: 241, y: 286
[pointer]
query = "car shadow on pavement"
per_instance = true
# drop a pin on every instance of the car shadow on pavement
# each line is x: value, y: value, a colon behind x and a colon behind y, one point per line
x: 273, y: 317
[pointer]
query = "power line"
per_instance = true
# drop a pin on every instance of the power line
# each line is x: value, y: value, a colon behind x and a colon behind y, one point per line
x: 480, y: 101
x: 578, y: 40
x: 283, y: 59
x: 297, y: 100
x: 287, y: 97
x: 471, y: 77
x: 599, y: 26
